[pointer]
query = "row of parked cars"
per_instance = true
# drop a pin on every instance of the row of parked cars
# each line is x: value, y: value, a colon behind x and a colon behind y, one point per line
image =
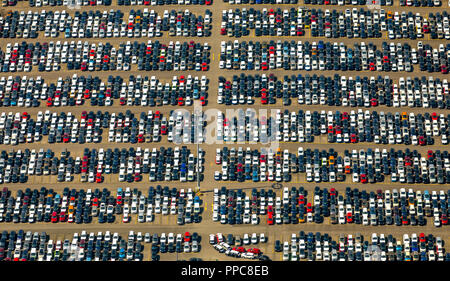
x: 421, y: 3
x: 163, y: 2
x: 364, y: 166
x: 174, y: 243
x: 84, y: 246
x: 23, y: 91
x: 68, y: 3
x: 337, y: 90
x: 312, y: 2
x: 83, y: 206
x: 296, y: 205
x: 348, y: 247
x: 338, y: 127
x: 375, y: 3
x: 180, y: 127
x: 71, y: 3
x: 352, y: 23
x: 98, y: 24
x: 328, y: 56
x: 225, y: 245
x: 78, y: 3
x: 85, y: 56
x: 163, y: 164
x: 293, y: 207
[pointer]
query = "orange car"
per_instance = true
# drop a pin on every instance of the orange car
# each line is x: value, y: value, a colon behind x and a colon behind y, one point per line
x: 390, y: 14
x: 278, y: 152
x: 404, y: 116
x: 71, y: 210
x: 347, y: 169
x: 331, y: 160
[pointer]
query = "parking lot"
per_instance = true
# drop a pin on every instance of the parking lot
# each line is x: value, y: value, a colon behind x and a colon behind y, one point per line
x: 109, y: 114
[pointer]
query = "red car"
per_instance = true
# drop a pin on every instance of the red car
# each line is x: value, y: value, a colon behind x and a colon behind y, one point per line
x: 332, y: 191
x: 301, y: 199
x: 270, y: 219
x: 373, y: 102
x: 272, y: 50
x: 330, y: 129
x: 422, y: 140
x: 164, y: 129
x: 87, y: 94
x: 353, y: 138
x: 444, y: 219
x: 99, y: 178
x: 62, y: 217
x: 422, y: 237
x: 180, y: 101
x: 405, y: 220
x: 262, y: 159
x: 204, y: 66
x: 49, y: 102
x: 254, y: 251
x: 363, y: 178
x: 54, y: 217
x: 349, y: 218
x: 240, y: 249
x: 187, y: 237
x: 309, y: 208
x: 202, y: 101
x: 65, y: 138
x: 137, y: 177
x: 434, y: 116
x: 408, y: 161
x: 264, y: 66
x: 264, y: 98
